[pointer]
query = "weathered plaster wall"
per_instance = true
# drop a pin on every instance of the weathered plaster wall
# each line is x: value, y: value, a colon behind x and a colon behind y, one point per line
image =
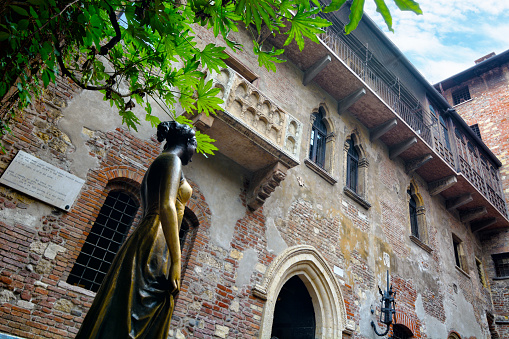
x: 232, y: 246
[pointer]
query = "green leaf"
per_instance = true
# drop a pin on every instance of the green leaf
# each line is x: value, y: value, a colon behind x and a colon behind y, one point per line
x: 254, y: 11
x: 19, y: 10
x: 382, y: 8
x: 45, y: 78
x: 23, y: 24
x: 212, y: 56
x: 154, y: 121
x: 408, y: 5
x: 334, y: 6
x: 4, y: 35
x: 205, y: 145
x: 207, y: 102
x: 130, y: 119
x: 356, y: 11
x: 305, y: 24
x: 267, y: 58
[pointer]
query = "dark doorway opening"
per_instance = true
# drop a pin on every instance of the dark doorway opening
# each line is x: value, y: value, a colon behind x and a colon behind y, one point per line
x: 294, y: 316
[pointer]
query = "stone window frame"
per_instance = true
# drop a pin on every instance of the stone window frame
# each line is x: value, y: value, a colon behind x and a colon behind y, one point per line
x: 459, y: 255
x: 328, y: 170
x: 422, y: 229
x: 309, y: 265
x: 480, y: 271
x: 359, y: 195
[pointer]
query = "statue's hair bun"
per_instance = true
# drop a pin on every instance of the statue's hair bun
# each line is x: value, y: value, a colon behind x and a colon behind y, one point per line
x: 172, y: 131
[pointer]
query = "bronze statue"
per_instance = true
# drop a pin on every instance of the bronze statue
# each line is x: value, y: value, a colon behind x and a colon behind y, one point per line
x: 136, y: 298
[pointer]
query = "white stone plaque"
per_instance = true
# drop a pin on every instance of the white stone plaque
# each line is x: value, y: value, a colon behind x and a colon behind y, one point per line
x: 42, y: 181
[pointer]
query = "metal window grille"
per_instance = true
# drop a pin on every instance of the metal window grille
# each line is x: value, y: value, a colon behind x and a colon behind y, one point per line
x: 460, y: 95
x: 412, y: 205
x: 318, y: 140
x: 476, y: 130
x: 501, y: 264
x: 106, y: 236
x: 352, y: 166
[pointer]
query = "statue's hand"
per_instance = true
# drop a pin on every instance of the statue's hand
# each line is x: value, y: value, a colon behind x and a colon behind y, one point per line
x: 174, y: 278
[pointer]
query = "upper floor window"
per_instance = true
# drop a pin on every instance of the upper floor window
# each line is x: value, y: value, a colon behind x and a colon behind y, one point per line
x: 477, y: 131
x: 480, y: 271
x: 460, y: 95
x: 104, y: 240
x: 356, y: 168
x: 501, y: 262
x: 352, y: 166
x: 318, y: 140
x: 445, y: 133
x: 459, y: 253
x: 412, y: 206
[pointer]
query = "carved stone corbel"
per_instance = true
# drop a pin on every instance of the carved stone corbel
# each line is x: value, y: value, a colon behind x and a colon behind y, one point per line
x: 264, y: 183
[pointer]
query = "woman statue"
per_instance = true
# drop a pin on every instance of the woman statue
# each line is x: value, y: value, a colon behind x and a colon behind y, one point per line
x: 136, y: 298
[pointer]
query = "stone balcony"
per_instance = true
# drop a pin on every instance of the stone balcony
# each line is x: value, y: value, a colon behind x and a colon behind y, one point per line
x: 254, y: 132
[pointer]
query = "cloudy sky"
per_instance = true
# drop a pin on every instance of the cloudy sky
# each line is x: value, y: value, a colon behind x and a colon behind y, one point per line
x: 450, y: 35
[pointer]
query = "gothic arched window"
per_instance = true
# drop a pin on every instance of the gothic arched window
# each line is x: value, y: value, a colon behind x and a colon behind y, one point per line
x: 352, y: 166
x: 318, y: 140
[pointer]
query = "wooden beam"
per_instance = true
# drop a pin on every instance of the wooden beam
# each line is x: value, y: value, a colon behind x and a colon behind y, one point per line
x: 351, y: 99
x: 472, y: 214
x: 380, y: 130
x: 460, y: 200
x: 412, y: 165
x: 441, y: 185
x: 313, y: 71
x: 401, y: 147
x: 482, y: 224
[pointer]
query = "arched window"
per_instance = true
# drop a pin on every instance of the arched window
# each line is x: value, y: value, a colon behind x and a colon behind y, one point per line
x: 417, y: 216
x: 104, y: 240
x: 400, y: 331
x: 318, y: 139
x: 352, y: 166
x: 187, y: 235
x: 412, y: 206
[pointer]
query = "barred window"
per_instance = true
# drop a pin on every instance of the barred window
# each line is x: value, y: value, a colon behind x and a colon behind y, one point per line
x: 501, y: 264
x: 104, y: 240
x: 460, y: 95
x: 318, y: 140
x: 476, y: 130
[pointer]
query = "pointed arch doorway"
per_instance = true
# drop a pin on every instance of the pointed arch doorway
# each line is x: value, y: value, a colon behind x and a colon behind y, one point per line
x: 294, y: 315
x: 303, y: 262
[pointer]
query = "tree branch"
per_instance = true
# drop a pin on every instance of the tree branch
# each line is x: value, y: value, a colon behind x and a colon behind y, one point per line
x: 113, y: 19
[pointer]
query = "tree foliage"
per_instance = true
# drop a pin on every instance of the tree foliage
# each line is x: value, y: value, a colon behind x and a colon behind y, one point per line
x: 151, y: 52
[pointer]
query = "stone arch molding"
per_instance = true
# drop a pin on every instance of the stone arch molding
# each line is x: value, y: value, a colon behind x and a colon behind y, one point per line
x: 305, y: 262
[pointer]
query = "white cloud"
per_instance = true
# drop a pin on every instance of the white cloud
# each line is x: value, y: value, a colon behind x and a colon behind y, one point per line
x: 450, y: 35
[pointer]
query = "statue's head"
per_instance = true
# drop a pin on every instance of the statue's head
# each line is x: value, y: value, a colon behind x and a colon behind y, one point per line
x: 177, y: 134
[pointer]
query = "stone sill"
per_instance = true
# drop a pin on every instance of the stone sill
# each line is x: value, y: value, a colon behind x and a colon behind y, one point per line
x: 81, y: 290
x: 419, y: 243
x: 500, y: 278
x: 357, y: 198
x: 461, y: 103
x: 321, y: 172
x: 461, y: 270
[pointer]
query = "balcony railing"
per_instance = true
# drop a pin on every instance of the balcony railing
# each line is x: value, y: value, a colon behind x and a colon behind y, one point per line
x: 420, y: 119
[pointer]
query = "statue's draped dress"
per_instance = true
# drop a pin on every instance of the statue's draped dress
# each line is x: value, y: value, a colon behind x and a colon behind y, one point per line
x: 134, y: 300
